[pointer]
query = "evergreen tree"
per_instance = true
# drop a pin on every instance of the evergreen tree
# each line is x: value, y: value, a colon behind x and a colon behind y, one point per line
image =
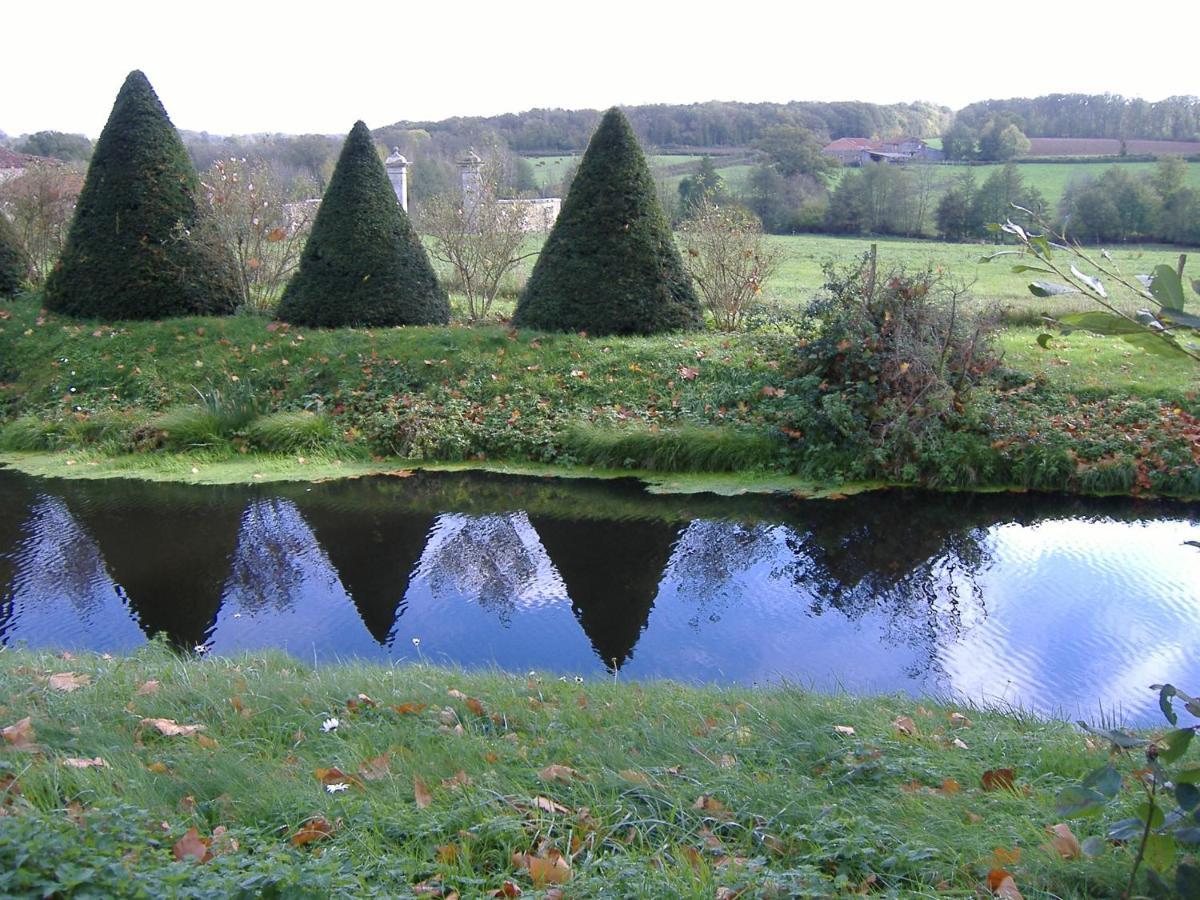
x: 610, y: 264
x: 363, y: 263
x: 137, y: 248
x: 14, y: 262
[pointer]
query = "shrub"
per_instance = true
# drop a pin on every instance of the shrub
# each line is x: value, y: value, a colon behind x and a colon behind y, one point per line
x: 363, y: 264
x: 41, y: 202
x: 137, y: 248
x: 14, y: 263
x: 885, y: 363
x: 610, y: 265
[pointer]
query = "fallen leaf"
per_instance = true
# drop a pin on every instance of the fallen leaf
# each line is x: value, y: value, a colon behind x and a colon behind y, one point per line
x: 191, y: 845
x: 905, y: 725
x: 1063, y: 842
x: 998, y: 779
x: 147, y: 687
x: 507, y: 889
x: 1005, y: 857
x: 475, y: 706
x: 222, y: 841
x: 958, y: 720
x: 375, y: 768
x: 558, y: 773
x: 206, y: 742
x: 847, y: 730
x: 708, y: 803
x: 171, y: 728
x: 547, y: 805
x: 68, y: 681
x: 409, y: 709
x: 20, y: 735
x: 959, y: 744
x: 458, y: 779
x: 551, y: 868
x: 727, y: 761
x: 74, y: 763
x: 334, y: 776
x: 457, y: 694
x: 315, y: 829
x: 1001, y: 884
x: 158, y: 767
x: 421, y: 793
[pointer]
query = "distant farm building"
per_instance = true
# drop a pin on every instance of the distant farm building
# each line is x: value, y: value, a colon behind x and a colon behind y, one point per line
x: 854, y: 151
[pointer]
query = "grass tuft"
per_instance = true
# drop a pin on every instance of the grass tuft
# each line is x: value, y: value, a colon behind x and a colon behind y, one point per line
x: 291, y: 431
x: 684, y: 449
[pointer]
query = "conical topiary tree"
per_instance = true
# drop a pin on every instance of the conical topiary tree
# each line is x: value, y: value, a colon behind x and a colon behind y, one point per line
x: 363, y: 263
x: 14, y: 262
x: 137, y: 248
x: 610, y: 265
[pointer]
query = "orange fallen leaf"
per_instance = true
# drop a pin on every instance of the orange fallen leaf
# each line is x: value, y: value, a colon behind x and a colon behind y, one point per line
x: 1063, y: 842
x: 171, y: 728
x: 958, y: 720
x: 409, y: 709
x: 458, y: 779
x: 146, y: 688
x: 1005, y: 857
x: 905, y: 725
x: 159, y: 767
x: 74, y: 763
x: 949, y: 786
x: 68, y: 681
x: 315, y: 829
x: 999, y: 779
x: 475, y: 706
x: 507, y: 889
x: 547, y: 805
x: 335, y: 775
x: 421, y: 793
x: 376, y: 767
x: 556, y: 772
x: 550, y: 868
x: 1001, y: 884
x: 192, y: 846
x: 708, y: 803
x: 19, y: 735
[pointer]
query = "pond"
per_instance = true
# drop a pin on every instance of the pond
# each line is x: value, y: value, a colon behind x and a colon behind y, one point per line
x: 1057, y: 605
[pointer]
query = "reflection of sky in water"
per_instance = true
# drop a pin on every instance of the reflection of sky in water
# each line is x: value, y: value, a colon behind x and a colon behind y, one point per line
x: 1080, y: 612
x: 62, y: 595
x: 1056, y: 616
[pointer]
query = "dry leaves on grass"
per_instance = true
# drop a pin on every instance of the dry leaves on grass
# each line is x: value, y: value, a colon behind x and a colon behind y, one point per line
x: 1063, y: 842
x: 72, y: 762
x: 68, y: 681
x: 906, y: 726
x: 1001, y: 884
x: 147, y: 688
x: 551, y: 867
x: 332, y: 777
x: 999, y: 780
x: 421, y: 793
x: 171, y: 728
x: 19, y: 735
x: 377, y: 767
x: 192, y: 846
x: 562, y: 774
x: 409, y: 708
x: 315, y: 829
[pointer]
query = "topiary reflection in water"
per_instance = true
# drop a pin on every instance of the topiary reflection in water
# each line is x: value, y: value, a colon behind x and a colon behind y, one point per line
x: 1021, y: 597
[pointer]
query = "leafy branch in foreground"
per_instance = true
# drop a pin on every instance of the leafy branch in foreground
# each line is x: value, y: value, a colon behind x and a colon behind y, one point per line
x: 1159, y: 832
x: 1157, y: 328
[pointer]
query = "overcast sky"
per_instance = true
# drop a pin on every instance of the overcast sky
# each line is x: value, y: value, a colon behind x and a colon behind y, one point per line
x: 298, y: 67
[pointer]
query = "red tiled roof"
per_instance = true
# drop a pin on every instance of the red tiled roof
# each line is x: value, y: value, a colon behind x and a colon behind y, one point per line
x: 848, y: 143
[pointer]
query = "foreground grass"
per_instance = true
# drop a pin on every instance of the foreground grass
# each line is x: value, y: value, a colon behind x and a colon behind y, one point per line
x: 451, y: 778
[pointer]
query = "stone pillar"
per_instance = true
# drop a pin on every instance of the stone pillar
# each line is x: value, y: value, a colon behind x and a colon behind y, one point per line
x: 470, y: 168
x: 397, y: 170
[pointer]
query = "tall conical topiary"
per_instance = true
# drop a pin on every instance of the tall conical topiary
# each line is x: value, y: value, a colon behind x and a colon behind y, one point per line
x: 610, y: 264
x: 137, y: 248
x: 363, y: 263
x: 14, y: 262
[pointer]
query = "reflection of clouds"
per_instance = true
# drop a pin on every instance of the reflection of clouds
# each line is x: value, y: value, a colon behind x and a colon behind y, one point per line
x: 496, y: 561
x: 712, y: 560
x: 1084, y: 613
x: 62, y: 594
x: 276, y: 552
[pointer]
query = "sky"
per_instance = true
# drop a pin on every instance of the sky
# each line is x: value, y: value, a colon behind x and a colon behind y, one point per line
x: 302, y: 67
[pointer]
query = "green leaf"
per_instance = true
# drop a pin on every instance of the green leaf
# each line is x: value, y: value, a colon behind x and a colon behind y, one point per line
x: 1105, y: 780
x: 1155, y: 342
x: 1120, y: 738
x: 999, y: 253
x: 1174, y: 745
x: 1190, y: 775
x: 1101, y: 323
x: 1187, y: 796
x: 1043, y: 340
x: 1040, y: 246
x: 1165, y: 693
x: 1167, y: 287
x: 1187, y: 882
x: 1126, y: 830
x: 1094, y: 283
x: 1076, y: 800
x: 1151, y: 811
x: 1179, y: 317
x: 1050, y: 289
x: 1160, y: 852
x: 1018, y: 269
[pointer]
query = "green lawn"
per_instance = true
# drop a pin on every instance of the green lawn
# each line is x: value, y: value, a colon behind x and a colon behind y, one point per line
x: 156, y: 775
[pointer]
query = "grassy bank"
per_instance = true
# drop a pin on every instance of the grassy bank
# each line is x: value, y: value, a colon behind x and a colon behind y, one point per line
x: 466, y: 781
x: 180, y: 397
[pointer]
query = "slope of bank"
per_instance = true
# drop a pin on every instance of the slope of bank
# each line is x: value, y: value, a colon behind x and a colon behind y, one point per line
x: 185, y: 394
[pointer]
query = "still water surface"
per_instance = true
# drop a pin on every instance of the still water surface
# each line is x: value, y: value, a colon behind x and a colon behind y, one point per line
x: 1053, y: 604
